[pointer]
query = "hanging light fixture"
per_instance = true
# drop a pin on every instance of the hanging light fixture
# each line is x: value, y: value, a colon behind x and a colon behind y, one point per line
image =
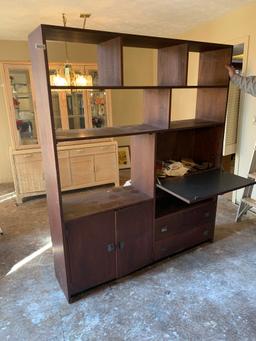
x: 83, y: 79
x: 70, y: 77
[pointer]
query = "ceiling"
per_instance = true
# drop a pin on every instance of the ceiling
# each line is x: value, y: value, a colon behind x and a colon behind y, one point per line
x: 148, y: 17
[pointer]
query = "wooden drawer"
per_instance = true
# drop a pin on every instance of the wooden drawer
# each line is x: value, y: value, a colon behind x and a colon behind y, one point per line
x: 92, y: 150
x: 28, y: 157
x: 183, y: 240
x: 176, y: 223
x: 179, y: 231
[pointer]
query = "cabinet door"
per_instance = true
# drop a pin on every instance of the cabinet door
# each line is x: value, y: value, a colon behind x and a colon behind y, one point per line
x: 29, y: 172
x: 105, y: 167
x: 21, y: 100
x: 134, y: 227
x: 91, y: 250
x: 64, y: 166
x: 82, y: 168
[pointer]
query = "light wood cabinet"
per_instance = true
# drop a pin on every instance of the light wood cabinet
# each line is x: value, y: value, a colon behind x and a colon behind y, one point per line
x: 80, y: 166
x: 28, y: 169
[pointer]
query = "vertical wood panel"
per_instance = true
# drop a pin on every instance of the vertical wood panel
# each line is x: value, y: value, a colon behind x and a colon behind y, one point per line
x: 134, y: 237
x: 212, y: 67
x: 157, y: 107
x: 143, y: 163
x: 173, y: 65
x: 211, y: 104
x: 49, y: 153
x: 110, y: 62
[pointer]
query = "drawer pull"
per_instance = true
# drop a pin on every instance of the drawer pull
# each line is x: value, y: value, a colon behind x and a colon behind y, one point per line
x: 28, y: 155
x: 111, y: 247
x: 164, y: 229
x: 207, y: 214
x: 206, y: 232
x: 121, y: 245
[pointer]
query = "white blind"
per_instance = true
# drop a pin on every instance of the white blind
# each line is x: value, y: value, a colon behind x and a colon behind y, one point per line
x: 230, y: 139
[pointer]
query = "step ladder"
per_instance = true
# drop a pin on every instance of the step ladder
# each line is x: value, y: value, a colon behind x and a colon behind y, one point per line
x: 247, y: 201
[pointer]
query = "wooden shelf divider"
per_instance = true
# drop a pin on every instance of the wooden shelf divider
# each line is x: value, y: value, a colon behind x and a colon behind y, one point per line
x: 110, y: 62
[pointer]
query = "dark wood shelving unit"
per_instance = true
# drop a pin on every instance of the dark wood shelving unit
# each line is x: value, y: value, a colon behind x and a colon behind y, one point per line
x: 103, y: 235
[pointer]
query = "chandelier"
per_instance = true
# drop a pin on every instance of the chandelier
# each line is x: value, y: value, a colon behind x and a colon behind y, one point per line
x: 67, y: 76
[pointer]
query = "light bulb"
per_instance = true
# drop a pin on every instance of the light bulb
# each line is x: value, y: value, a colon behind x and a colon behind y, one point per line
x: 58, y: 80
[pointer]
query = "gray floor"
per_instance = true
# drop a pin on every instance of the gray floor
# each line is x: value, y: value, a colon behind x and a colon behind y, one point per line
x: 207, y: 293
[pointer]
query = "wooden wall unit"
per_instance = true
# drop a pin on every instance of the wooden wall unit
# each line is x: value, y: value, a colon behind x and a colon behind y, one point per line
x: 102, y: 235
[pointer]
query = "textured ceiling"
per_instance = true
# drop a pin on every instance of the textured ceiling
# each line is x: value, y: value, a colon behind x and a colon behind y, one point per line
x: 149, y: 17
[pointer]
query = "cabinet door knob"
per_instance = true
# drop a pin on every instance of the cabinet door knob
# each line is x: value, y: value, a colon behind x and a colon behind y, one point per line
x: 121, y: 245
x: 111, y: 247
x: 164, y: 228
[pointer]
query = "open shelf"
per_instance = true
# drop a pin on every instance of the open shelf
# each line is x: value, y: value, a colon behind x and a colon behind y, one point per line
x: 201, y: 186
x: 192, y: 124
x: 167, y: 204
x: 84, y: 203
x: 95, y: 133
x: 128, y: 87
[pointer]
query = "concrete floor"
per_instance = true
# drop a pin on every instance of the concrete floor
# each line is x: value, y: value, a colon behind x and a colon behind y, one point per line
x: 207, y: 293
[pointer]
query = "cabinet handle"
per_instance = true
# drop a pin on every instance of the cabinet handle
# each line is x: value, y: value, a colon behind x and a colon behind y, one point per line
x: 111, y: 247
x: 164, y: 229
x: 207, y: 214
x: 28, y: 155
x: 206, y: 233
x: 121, y: 245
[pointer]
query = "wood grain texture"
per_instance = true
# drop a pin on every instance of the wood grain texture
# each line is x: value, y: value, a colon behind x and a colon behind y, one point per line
x: 134, y: 230
x: 184, y: 240
x: 175, y: 145
x: 208, y: 145
x: 212, y: 67
x: 157, y: 107
x: 91, y: 262
x: 84, y: 203
x: 172, y: 224
x: 110, y: 62
x: 143, y: 163
x: 211, y: 104
x: 96, y: 133
x: 173, y: 65
x: 49, y: 154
